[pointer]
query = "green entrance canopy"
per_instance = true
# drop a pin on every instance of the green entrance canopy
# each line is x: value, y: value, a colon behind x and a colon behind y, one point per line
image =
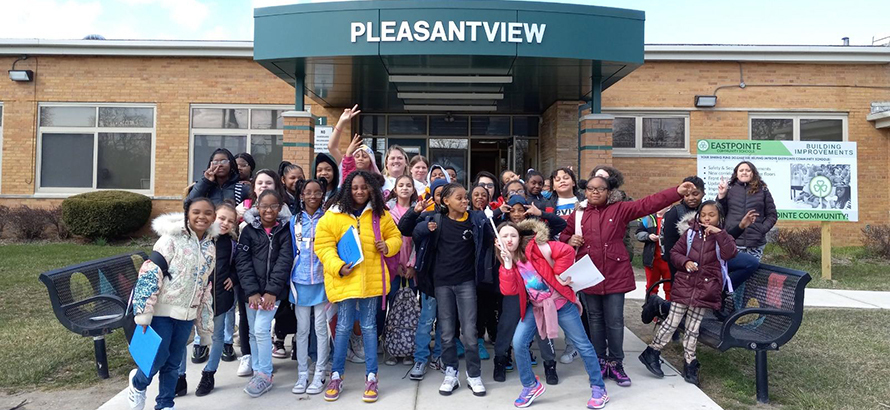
x: 457, y: 55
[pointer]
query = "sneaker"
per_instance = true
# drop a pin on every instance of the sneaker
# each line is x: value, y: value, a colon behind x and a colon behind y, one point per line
x: 228, y: 354
x: 408, y: 361
x: 651, y: 358
x: 475, y: 384
x: 437, y: 364
x: 418, y: 371
x: 483, y: 354
x: 619, y: 375
x: 135, y: 397
x: 500, y: 369
x: 334, y: 388
x: 509, y: 364
x: 529, y: 394
x: 200, y: 354
x: 391, y: 360
x: 301, y: 385
x: 205, y: 386
x: 258, y: 385
x: 370, y: 395
x: 245, y: 368
x: 450, y: 383
x: 317, y: 385
x: 569, y: 355
x: 534, y: 358
x: 690, y: 371
x: 278, y: 350
x: 550, y: 372
x: 182, y: 387
x: 605, y: 368
x: 356, y: 351
x: 651, y: 309
x: 598, y: 398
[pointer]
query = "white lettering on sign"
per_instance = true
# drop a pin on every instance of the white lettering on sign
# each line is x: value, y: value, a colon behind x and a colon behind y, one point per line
x: 447, y: 31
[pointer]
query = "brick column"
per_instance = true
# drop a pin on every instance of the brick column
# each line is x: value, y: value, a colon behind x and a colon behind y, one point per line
x: 596, y: 142
x: 299, y: 138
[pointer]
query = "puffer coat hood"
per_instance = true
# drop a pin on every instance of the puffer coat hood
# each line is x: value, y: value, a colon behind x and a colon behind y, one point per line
x: 173, y: 223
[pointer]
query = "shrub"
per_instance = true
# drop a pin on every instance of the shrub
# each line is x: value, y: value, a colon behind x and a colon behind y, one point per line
x: 105, y: 214
x: 54, y: 216
x: 28, y: 223
x: 796, y: 242
x: 4, y: 214
x: 877, y: 240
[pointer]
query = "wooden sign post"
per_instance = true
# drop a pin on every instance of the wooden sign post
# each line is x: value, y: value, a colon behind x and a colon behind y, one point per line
x: 826, y: 250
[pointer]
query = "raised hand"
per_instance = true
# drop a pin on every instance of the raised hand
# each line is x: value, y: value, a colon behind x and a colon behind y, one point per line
x: 210, y: 173
x: 721, y: 188
x: 353, y: 145
x: 533, y: 210
x: 421, y: 205
x: 748, y: 219
x: 685, y: 188
x: 349, y: 114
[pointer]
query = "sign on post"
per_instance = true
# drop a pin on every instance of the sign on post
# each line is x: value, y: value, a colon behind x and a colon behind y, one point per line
x: 322, y: 136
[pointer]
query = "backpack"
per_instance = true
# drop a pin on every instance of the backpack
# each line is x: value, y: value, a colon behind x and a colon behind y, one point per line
x: 728, y: 300
x: 401, y: 323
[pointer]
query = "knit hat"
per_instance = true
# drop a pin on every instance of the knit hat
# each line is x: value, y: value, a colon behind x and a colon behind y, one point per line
x: 436, y: 184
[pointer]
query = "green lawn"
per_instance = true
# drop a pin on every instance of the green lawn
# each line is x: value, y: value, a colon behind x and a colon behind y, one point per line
x: 852, y: 268
x: 839, y: 359
x: 37, y: 351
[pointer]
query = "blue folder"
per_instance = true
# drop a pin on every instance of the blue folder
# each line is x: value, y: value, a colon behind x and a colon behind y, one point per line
x: 350, y: 247
x: 144, y: 348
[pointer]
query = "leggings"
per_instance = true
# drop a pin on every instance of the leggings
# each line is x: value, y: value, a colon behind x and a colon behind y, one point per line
x: 488, y: 308
x: 243, y: 326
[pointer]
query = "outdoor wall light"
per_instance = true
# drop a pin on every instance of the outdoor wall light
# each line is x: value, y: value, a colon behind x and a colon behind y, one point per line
x: 21, y: 75
x: 705, y: 101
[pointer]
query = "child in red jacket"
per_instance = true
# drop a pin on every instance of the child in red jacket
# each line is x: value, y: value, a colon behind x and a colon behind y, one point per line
x: 700, y: 256
x: 530, y: 265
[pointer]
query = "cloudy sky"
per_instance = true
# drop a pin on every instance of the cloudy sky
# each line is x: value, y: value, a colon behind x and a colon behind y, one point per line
x: 667, y: 22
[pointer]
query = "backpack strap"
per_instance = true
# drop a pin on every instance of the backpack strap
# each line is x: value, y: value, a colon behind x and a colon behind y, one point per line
x: 724, y: 266
x: 377, y: 237
x: 579, y: 215
x: 159, y: 260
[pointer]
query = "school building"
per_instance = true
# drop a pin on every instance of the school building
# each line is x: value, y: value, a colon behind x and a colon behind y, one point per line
x: 480, y: 85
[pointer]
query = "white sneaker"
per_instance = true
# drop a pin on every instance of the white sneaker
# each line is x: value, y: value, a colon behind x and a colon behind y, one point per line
x: 136, y: 398
x: 301, y: 384
x: 569, y: 355
x: 317, y: 385
x: 450, y: 383
x: 244, y: 368
x: 475, y: 384
x: 356, y: 352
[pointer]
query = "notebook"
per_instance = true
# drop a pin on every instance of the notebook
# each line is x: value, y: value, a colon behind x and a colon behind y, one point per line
x: 144, y: 348
x: 350, y: 247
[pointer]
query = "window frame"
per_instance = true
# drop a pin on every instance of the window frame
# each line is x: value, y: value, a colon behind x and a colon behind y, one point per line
x: 95, y: 130
x: 795, y: 118
x: 247, y: 132
x: 638, y: 133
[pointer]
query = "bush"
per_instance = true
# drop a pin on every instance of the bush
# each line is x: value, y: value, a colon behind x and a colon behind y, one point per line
x: 105, y: 214
x: 796, y: 242
x: 4, y: 215
x: 54, y: 216
x: 877, y: 240
x: 28, y: 223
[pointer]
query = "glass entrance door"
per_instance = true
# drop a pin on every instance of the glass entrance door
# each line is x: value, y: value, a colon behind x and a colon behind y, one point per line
x: 451, y: 152
x: 412, y: 146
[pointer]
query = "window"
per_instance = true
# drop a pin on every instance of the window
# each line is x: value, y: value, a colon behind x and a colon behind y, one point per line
x: 257, y: 130
x: 664, y: 133
x: 84, y: 147
x: 798, y: 127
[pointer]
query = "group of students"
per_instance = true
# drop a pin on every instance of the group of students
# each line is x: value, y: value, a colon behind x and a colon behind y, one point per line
x: 486, y: 259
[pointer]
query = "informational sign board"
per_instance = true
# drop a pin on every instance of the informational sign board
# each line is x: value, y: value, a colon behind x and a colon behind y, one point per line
x: 809, y: 181
x: 322, y: 136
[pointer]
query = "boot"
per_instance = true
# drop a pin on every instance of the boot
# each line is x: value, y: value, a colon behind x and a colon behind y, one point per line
x: 550, y: 372
x: 205, y: 386
x: 181, y: 386
x: 500, y: 369
x: 651, y: 358
x: 651, y: 309
x: 690, y: 371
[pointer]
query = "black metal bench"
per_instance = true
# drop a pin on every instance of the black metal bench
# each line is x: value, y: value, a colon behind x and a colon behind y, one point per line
x: 762, y: 326
x: 90, y: 298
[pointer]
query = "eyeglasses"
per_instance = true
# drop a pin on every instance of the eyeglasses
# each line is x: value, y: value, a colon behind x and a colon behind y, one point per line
x: 486, y: 185
x: 514, y: 192
x: 597, y: 190
x: 273, y: 207
x: 220, y: 162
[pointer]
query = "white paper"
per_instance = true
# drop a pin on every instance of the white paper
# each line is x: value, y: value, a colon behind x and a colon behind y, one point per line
x: 584, y: 274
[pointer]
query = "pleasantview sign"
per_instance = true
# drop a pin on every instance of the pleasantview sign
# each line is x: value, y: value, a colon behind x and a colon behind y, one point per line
x: 447, y: 31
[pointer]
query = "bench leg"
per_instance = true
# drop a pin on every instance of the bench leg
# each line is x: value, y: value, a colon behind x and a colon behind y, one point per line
x: 761, y: 376
x: 101, y: 356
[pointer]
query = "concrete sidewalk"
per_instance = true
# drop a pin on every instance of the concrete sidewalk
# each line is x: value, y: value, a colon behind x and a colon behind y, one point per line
x: 397, y: 393
x: 827, y: 298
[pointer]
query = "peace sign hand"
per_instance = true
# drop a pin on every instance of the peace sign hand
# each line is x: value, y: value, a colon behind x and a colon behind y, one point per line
x: 533, y: 210
x: 721, y: 188
x: 210, y: 173
x: 421, y: 205
x: 349, y: 114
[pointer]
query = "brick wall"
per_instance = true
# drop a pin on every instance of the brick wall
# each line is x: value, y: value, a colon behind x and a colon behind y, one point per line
x: 559, y: 136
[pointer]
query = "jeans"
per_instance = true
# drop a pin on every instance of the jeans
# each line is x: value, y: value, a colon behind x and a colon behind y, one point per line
x: 741, y: 268
x: 570, y: 321
x: 424, y: 327
x: 453, y: 302
x: 229, y: 332
x: 303, y: 314
x: 174, y: 337
x: 260, y: 322
x: 367, y: 313
x: 606, y: 316
x: 507, y: 323
x: 216, y: 348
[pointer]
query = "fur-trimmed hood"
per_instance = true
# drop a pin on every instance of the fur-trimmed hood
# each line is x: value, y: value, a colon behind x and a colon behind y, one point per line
x: 686, y: 222
x: 252, y: 217
x: 539, y: 227
x: 173, y: 223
